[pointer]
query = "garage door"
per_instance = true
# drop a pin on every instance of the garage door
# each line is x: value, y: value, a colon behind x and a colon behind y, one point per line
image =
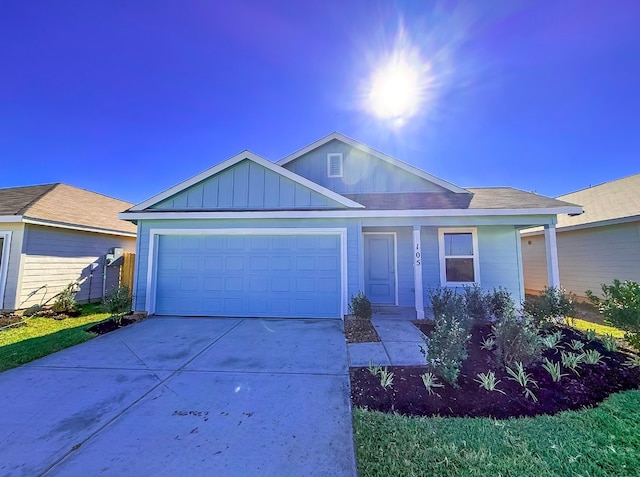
x: 249, y: 275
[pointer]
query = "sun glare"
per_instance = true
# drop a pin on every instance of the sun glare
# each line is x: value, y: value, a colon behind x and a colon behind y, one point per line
x: 399, y: 84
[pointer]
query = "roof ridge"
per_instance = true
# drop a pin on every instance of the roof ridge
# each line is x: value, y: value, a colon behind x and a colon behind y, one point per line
x: 37, y: 198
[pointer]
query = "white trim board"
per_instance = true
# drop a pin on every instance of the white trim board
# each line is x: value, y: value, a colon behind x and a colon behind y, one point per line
x: 80, y: 228
x: 588, y: 225
x: 10, y: 218
x: 301, y: 214
x: 151, y: 285
x: 380, y: 155
x: 4, y: 263
x: 395, y: 260
x: 233, y: 161
x: 441, y: 255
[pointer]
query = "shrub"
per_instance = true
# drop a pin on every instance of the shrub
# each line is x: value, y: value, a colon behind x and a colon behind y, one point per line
x: 551, y: 304
x: 517, y: 340
x: 621, y: 308
x: 117, y: 300
x: 478, y: 303
x: 446, y: 348
x: 447, y: 302
x: 65, y: 301
x: 360, y: 306
x: 500, y: 303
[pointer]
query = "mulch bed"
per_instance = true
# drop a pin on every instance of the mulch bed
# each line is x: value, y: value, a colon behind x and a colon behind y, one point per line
x: 9, y: 319
x: 359, y: 331
x: 408, y: 395
x: 110, y: 325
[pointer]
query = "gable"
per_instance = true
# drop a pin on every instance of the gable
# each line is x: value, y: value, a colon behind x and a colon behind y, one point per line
x: 247, y: 185
x: 364, y: 170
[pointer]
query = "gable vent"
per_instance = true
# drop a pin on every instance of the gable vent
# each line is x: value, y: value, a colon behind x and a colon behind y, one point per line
x: 334, y: 165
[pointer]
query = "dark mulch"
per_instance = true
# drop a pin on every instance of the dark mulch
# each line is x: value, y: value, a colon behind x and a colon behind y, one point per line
x: 110, y: 325
x: 9, y: 319
x: 359, y: 331
x: 408, y: 395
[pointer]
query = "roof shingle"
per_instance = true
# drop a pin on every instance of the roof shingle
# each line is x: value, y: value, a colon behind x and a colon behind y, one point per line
x: 66, y: 205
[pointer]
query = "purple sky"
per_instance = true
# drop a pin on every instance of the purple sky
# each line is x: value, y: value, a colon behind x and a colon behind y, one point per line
x: 128, y: 98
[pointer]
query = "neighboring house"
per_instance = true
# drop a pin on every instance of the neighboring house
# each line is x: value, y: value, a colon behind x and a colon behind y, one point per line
x: 597, y: 247
x: 297, y: 238
x: 55, y: 234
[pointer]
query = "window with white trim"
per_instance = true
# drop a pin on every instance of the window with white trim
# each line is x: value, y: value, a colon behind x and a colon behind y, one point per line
x: 458, y: 256
x: 334, y: 165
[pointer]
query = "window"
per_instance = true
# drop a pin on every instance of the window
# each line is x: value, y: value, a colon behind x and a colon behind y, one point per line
x: 458, y: 256
x: 334, y: 165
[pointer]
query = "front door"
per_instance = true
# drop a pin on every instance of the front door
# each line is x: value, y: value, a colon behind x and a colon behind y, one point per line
x: 380, y: 268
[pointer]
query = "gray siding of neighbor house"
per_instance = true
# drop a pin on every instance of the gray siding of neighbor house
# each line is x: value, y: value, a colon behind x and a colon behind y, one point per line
x: 14, y: 257
x: 247, y: 185
x: 56, y: 257
x: 362, y: 172
x: 587, y: 258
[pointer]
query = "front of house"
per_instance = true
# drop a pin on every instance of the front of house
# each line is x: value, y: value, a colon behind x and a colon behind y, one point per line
x: 297, y: 238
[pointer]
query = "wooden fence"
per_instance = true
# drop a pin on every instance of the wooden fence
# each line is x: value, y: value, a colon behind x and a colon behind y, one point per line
x: 126, y: 273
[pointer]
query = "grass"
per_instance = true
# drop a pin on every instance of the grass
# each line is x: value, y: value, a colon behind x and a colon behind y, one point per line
x: 601, y: 330
x: 593, y: 442
x: 43, y: 336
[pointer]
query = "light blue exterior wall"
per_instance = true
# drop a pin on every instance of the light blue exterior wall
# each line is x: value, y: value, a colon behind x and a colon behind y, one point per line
x: 247, y: 185
x: 354, y: 244
x: 362, y: 172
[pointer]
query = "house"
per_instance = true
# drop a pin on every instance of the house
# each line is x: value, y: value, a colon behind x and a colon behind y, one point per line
x: 55, y: 234
x: 596, y: 247
x: 297, y: 238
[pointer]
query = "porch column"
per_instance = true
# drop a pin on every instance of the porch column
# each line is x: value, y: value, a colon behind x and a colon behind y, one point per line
x: 417, y: 272
x: 553, y: 270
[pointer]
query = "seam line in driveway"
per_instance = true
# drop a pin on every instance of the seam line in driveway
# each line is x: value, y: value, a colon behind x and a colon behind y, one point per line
x: 117, y: 416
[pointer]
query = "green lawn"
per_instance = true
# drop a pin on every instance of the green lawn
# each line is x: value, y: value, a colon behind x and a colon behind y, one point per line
x: 43, y: 336
x: 601, y: 330
x: 604, y: 441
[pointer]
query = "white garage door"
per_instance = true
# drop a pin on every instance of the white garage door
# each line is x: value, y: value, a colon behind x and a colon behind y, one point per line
x: 249, y: 275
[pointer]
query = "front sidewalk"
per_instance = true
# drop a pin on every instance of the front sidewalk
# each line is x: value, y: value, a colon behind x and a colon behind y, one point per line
x: 400, y: 345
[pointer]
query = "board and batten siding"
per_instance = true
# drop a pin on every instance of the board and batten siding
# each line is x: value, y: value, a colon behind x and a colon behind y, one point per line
x: 587, y: 258
x: 56, y: 257
x: 14, y: 261
x: 246, y: 185
x: 354, y: 239
x: 362, y: 172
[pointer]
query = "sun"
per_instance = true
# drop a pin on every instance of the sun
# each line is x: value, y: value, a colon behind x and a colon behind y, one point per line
x: 398, y: 86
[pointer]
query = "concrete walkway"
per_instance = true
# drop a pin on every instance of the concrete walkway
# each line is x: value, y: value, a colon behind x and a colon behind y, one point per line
x: 400, y: 346
x: 184, y: 396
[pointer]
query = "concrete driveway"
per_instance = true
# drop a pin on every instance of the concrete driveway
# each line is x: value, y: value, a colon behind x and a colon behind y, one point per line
x: 184, y: 396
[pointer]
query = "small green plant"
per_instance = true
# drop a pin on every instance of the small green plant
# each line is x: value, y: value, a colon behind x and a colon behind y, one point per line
x: 517, y: 339
x: 386, y: 378
x: 620, y: 306
x: 360, y: 307
x: 576, y: 345
x: 572, y: 361
x: 374, y: 370
x: 65, y: 301
x: 488, y: 343
x: 488, y: 381
x: 592, y: 356
x: 552, y: 341
x: 117, y: 300
x: 524, y: 379
x: 553, y: 368
x: 553, y: 303
x: 446, y: 348
x: 430, y: 382
x: 632, y: 361
x: 609, y: 343
x: 590, y: 334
